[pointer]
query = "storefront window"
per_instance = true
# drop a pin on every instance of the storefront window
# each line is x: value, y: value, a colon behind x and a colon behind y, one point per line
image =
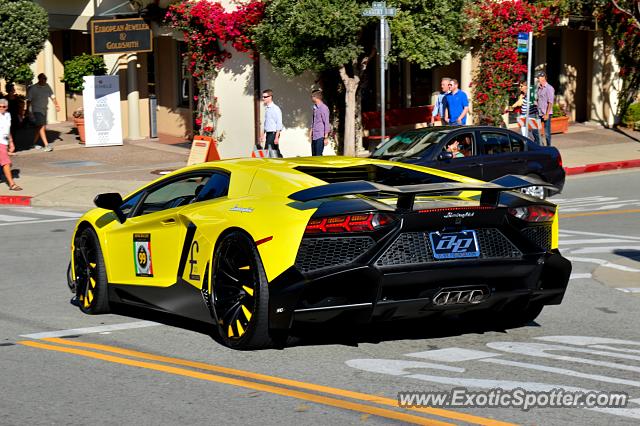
x: 184, y: 79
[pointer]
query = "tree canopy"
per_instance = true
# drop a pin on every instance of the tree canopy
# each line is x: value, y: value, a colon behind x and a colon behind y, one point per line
x: 430, y: 32
x: 311, y: 35
x: 321, y: 35
x: 24, y: 27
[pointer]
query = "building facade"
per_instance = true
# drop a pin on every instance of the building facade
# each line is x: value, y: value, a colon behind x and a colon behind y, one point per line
x: 579, y: 63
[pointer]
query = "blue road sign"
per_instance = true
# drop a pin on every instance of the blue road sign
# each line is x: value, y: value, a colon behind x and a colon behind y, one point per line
x: 523, y: 42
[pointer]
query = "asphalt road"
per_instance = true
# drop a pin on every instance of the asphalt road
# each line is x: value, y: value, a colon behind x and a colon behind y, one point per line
x: 122, y: 369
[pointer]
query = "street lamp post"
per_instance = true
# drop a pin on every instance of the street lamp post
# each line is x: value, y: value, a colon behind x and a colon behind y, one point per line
x: 381, y: 10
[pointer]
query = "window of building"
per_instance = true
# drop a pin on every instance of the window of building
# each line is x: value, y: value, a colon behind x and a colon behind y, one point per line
x: 184, y: 78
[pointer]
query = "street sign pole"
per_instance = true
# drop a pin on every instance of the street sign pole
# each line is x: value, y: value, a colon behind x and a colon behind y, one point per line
x: 528, y: 97
x: 382, y: 78
x: 380, y: 10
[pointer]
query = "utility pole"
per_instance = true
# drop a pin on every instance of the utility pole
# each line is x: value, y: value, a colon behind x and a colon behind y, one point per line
x: 380, y: 9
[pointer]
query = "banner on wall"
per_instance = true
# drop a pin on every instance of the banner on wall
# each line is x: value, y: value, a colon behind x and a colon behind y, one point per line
x: 102, y: 116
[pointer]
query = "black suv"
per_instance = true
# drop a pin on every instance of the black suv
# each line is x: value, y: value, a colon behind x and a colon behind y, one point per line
x: 484, y: 153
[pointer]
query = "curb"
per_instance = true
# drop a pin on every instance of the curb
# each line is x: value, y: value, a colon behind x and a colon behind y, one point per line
x: 15, y: 200
x: 601, y: 167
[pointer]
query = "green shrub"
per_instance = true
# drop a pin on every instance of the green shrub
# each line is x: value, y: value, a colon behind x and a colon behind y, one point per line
x: 24, y: 27
x: 80, y: 66
x: 21, y: 75
x: 633, y: 114
x: 558, y: 111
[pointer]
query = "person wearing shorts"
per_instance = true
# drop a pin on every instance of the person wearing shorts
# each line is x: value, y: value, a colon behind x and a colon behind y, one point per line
x: 37, y: 99
x: 6, y: 144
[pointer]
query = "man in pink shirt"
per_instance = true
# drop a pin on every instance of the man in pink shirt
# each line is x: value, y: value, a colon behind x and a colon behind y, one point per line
x: 320, y: 127
x: 545, y: 97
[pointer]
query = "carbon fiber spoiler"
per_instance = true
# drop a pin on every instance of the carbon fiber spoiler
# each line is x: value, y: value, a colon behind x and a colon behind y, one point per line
x: 490, y: 191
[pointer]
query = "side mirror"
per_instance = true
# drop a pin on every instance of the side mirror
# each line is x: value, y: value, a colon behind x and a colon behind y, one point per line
x: 446, y: 155
x: 110, y: 201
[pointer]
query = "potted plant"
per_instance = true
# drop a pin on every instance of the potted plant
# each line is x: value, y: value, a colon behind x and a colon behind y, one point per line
x: 76, y: 68
x: 78, y: 120
x: 559, y: 120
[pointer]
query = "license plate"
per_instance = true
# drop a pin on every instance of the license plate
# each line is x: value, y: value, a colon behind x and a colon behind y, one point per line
x: 454, y: 245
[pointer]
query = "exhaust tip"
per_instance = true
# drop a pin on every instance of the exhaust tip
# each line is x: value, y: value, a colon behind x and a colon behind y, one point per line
x: 461, y: 296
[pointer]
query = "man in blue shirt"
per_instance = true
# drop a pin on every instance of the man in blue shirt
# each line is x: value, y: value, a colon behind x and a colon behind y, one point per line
x: 272, y: 123
x: 457, y: 106
x: 438, y: 108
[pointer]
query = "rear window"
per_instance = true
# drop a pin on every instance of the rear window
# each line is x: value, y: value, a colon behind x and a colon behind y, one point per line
x: 392, y: 176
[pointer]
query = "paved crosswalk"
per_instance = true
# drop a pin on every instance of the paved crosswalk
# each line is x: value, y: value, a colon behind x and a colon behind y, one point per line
x: 602, y: 250
x: 593, y: 249
x: 12, y: 216
x: 594, y: 203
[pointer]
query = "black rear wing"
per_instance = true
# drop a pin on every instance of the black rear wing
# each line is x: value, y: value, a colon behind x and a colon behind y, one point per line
x: 490, y: 191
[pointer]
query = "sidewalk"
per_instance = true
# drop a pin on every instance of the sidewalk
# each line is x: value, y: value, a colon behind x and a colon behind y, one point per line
x: 590, y: 148
x: 71, y: 175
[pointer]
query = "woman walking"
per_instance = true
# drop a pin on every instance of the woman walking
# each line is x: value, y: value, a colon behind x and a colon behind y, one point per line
x: 6, y: 144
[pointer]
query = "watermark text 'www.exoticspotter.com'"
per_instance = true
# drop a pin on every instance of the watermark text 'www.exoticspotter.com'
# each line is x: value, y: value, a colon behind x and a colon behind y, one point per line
x: 515, y: 398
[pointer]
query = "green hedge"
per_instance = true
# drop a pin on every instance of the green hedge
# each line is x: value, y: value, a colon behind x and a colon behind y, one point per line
x: 633, y: 114
x: 80, y: 66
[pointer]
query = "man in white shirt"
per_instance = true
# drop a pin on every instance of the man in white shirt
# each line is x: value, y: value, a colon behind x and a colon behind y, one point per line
x: 439, y: 107
x: 6, y: 144
x: 37, y: 100
x: 272, y: 123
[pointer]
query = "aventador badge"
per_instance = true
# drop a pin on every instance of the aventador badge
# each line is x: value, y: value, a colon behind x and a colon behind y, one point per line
x: 142, y: 255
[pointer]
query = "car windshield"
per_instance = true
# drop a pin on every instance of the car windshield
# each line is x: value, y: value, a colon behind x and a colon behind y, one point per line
x: 410, y: 144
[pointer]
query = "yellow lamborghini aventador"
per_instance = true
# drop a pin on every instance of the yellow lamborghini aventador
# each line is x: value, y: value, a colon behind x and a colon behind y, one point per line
x: 251, y: 246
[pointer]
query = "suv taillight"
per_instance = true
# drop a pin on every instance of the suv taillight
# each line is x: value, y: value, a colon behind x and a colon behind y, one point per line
x: 534, y: 213
x: 348, y: 223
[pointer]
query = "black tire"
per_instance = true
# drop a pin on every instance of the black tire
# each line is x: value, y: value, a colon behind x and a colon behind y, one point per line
x: 70, y: 281
x: 90, y: 273
x: 239, y: 293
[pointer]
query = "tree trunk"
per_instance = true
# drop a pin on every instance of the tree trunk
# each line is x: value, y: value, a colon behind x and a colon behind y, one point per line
x: 350, y: 86
x: 358, y: 120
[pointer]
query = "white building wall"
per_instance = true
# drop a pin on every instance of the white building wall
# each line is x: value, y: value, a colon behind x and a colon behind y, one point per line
x: 293, y: 96
x: 234, y: 89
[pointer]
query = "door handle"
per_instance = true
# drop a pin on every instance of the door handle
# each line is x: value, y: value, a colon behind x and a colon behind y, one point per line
x: 170, y: 221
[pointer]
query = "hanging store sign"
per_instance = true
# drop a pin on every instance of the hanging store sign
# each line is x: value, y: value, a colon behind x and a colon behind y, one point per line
x: 120, y: 36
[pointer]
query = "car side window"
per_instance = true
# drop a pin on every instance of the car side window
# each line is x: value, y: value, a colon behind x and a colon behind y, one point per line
x: 173, y: 194
x: 130, y: 204
x: 217, y: 186
x: 517, y: 144
x: 494, y: 143
x: 460, y: 146
x: 466, y: 144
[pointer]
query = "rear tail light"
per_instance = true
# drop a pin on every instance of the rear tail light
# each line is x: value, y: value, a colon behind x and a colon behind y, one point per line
x: 559, y: 160
x: 534, y: 213
x: 348, y: 223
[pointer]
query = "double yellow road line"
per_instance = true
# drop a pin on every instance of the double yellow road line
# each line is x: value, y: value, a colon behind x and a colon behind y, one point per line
x: 319, y: 394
